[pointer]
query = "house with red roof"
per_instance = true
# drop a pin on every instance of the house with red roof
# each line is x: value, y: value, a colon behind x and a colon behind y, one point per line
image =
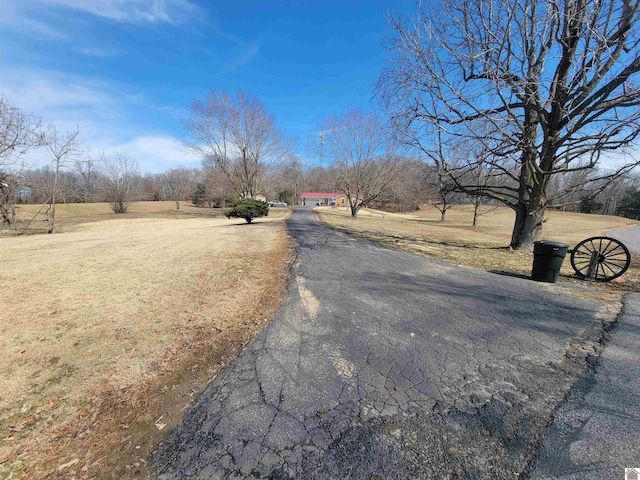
x: 313, y: 199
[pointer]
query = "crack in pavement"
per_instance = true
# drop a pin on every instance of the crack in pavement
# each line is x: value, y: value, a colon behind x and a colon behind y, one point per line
x: 383, y: 363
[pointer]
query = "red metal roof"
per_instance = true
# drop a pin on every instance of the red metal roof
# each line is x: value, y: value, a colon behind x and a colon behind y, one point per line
x: 320, y: 195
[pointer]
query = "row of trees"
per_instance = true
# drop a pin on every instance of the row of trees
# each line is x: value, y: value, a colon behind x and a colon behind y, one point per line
x: 115, y: 179
x: 71, y: 175
x: 239, y: 142
x: 366, y: 164
x: 512, y: 101
x: 509, y: 101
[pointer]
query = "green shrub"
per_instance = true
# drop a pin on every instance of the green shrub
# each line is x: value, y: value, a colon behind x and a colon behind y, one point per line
x: 248, y: 208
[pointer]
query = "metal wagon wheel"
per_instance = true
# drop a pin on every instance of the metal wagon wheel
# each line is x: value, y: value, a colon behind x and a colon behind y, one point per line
x: 613, y: 258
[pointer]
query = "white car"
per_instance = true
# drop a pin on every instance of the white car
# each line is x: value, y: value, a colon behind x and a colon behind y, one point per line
x: 276, y: 203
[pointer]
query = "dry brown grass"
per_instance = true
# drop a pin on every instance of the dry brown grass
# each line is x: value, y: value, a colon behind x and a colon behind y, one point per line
x: 482, y: 247
x: 114, y: 324
x: 31, y: 219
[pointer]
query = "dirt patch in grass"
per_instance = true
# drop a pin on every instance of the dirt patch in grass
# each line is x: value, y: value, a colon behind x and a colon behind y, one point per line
x: 110, y: 330
x: 485, y: 246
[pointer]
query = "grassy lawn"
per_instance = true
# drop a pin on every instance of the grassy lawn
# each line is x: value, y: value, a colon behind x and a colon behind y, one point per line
x: 482, y: 246
x: 33, y: 219
x: 109, y: 329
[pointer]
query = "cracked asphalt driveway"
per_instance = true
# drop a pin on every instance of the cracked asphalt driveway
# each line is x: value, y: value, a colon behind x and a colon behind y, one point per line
x: 387, y: 364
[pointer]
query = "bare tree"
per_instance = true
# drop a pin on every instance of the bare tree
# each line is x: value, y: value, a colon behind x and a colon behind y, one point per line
x: 444, y: 193
x: 182, y: 182
x: 546, y: 86
x: 319, y: 179
x: 363, y: 157
x: 613, y: 194
x: 64, y: 148
x: 154, y: 187
x: 481, y: 177
x: 286, y: 181
x: 121, y: 180
x: 9, y: 188
x: 477, y: 174
x: 87, y: 177
x: 218, y: 189
x: 19, y: 132
x: 238, y: 136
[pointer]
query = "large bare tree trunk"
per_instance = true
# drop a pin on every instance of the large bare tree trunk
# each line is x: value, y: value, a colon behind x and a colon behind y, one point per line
x: 476, y: 206
x: 354, y: 209
x: 531, y: 192
x: 527, y: 227
x: 52, y: 210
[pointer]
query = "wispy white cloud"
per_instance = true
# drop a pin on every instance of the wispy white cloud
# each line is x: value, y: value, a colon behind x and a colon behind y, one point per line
x: 96, y: 52
x: 155, y: 153
x: 50, y: 17
x: 133, y: 11
x: 24, y: 18
x: 111, y: 115
x: 102, y: 111
x: 55, y: 95
x: 248, y: 52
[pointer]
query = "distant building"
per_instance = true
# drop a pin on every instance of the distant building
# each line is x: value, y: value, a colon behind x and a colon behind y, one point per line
x: 313, y: 199
x: 342, y: 201
x: 260, y: 197
x: 327, y: 199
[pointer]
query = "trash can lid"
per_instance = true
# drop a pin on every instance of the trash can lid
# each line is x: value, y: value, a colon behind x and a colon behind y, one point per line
x: 550, y: 243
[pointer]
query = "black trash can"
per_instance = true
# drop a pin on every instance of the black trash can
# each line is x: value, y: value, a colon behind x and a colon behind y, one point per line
x: 547, y: 260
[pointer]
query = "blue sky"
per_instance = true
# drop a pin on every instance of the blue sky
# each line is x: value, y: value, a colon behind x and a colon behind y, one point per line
x: 126, y: 71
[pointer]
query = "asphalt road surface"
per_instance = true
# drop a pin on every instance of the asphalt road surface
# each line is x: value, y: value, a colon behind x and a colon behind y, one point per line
x: 629, y: 236
x: 595, y: 434
x: 386, y: 364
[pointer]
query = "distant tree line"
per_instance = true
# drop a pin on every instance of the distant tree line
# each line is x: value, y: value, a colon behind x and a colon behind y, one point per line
x: 493, y: 102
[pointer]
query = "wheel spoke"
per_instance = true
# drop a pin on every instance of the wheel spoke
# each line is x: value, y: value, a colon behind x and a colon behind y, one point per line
x: 587, y: 248
x: 616, y: 253
x: 616, y: 246
x: 606, y: 251
x: 604, y: 274
x: 616, y: 261
x: 615, y: 268
x: 605, y: 264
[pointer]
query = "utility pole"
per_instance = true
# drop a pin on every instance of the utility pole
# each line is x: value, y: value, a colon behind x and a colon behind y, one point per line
x: 321, y: 144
